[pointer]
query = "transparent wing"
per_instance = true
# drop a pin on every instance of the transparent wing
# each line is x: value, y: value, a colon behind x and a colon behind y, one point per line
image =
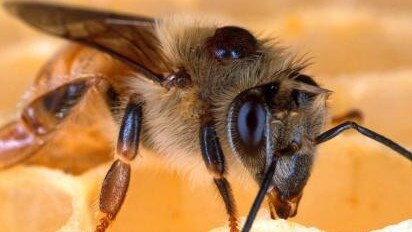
x: 131, y: 39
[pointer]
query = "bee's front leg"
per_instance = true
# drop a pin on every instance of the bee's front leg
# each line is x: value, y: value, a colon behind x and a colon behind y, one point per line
x: 22, y: 138
x: 215, y: 162
x: 117, y: 179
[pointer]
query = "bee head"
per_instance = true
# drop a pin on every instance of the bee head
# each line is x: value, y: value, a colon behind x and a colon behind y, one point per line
x: 266, y: 120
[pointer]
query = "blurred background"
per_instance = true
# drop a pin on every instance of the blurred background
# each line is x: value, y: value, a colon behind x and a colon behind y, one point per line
x: 361, y: 50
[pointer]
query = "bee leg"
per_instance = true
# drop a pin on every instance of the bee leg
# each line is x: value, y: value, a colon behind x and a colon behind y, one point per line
x: 330, y: 134
x: 215, y: 162
x: 117, y: 179
x: 352, y: 115
x: 38, y: 120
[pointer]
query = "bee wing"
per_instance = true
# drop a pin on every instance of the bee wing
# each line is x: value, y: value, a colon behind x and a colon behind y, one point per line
x: 130, y: 39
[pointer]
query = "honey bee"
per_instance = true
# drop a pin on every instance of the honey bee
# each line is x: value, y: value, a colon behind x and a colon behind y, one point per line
x: 181, y: 89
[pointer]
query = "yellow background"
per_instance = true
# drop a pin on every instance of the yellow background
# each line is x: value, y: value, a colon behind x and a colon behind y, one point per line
x: 362, y: 50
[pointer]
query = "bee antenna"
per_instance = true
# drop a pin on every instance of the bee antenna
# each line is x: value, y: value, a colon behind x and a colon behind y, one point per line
x: 270, y: 158
x: 330, y: 134
x: 260, y: 196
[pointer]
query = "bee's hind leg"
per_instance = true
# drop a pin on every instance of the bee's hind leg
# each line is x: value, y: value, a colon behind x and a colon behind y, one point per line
x: 38, y: 120
x: 117, y: 179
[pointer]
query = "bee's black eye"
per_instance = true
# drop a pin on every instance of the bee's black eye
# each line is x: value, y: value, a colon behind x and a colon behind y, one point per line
x: 251, y: 123
x: 231, y: 43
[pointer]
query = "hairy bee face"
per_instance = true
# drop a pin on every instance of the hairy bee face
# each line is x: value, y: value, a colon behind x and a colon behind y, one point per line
x: 257, y: 96
x: 273, y: 117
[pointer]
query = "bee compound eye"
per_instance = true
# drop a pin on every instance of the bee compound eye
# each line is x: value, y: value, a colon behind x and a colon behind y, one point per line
x: 251, y: 123
x: 231, y: 42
